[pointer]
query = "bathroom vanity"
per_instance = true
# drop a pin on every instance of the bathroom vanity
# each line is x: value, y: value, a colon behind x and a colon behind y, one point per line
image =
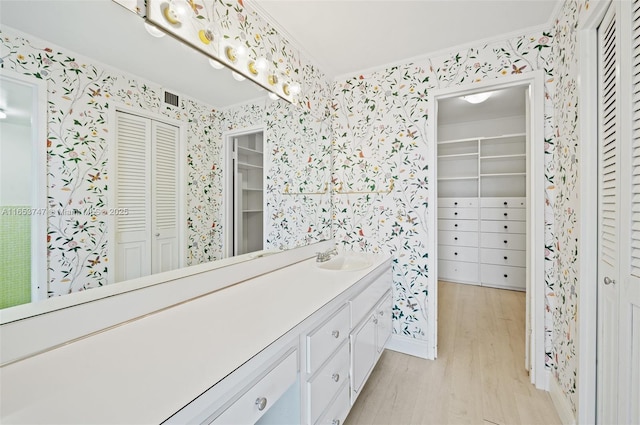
x: 290, y: 345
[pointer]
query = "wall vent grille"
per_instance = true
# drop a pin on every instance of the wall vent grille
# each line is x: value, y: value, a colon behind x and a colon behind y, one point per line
x: 171, y: 98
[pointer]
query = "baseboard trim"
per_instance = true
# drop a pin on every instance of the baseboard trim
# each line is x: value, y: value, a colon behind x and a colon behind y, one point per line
x: 411, y: 346
x: 563, y: 407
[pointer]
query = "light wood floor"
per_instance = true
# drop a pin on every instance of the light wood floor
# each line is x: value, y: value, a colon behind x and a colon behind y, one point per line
x: 478, y: 377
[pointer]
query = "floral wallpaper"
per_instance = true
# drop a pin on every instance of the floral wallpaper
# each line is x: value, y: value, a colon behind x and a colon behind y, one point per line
x: 383, y: 178
x: 80, y: 96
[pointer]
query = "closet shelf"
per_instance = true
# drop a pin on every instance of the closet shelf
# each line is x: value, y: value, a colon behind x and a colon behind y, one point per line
x: 249, y: 150
x: 502, y: 174
x: 520, y: 155
x: 251, y: 211
x: 459, y: 155
x: 246, y: 165
x: 457, y: 178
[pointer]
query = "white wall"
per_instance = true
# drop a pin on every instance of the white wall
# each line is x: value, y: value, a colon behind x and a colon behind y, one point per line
x: 483, y: 128
x: 16, y: 158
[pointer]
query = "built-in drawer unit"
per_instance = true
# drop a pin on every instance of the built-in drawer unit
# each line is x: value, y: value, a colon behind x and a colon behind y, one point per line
x: 458, y: 202
x: 458, y: 238
x: 503, y: 276
x: 503, y: 226
x: 457, y: 253
x: 503, y: 202
x: 326, y: 338
x: 458, y: 271
x: 458, y: 213
x: 510, y: 214
x: 503, y: 241
x: 458, y: 225
x: 257, y: 400
x: 323, y: 387
x: 503, y: 257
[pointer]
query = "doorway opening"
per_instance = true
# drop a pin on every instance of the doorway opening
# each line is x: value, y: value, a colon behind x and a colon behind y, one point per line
x: 490, y: 197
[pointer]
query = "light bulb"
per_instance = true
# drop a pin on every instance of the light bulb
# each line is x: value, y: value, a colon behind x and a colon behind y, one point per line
x: 294, y: 88
x: 237, y: 77
x: 262, y: 64
x: 273, y: 96
x: 181, y: 9
x: 153, y: 30
x: 215, y: 64
x: 478, y: 97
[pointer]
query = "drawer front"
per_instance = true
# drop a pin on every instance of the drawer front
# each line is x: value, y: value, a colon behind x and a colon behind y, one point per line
x: 457, y: 253
x: 503, y: 257
x: 247, y: 409
x: 503, y: 241
x: 503, y: 276
x: 458, y: 213
x: 460, y: 225
x: 503, y: 202
x: 326, y: 384
x: 508, y: 214
x: 458, y: 202
x: 503, y: 226
x: 362, y: 303
x: 458, y: 238
x: 338, y: 410
x: 324, y: 340
x: 458, y: 271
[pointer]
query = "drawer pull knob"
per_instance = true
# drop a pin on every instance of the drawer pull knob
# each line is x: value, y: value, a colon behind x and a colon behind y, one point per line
x: 505, y: 214
x: 455, y: 239
x: 335, y: 377
x: 335, y: 422
x: 506, y: 227
x: 505, y: 241
x: 455, y: 225
x: 455, y: 203
x: 455, y: 213
x: 505, y: 203
x: 335, y: 334
x: 505, y: 275
x: 455, y: 253
x: 505, y: 257
x: 261, y: 402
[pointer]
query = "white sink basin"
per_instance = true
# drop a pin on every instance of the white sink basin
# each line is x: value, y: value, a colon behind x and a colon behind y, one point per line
x: 349, y: 262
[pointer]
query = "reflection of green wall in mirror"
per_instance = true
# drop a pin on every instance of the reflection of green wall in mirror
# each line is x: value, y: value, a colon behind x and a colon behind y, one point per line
x: 15, y: 255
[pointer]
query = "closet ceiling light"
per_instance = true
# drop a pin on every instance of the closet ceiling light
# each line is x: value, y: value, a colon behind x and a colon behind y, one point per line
x: 478, y: 97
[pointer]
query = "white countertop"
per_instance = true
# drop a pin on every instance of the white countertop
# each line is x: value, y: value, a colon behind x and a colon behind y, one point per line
x: 143, y: 371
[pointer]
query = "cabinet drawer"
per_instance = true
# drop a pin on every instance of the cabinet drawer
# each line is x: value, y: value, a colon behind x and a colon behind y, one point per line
x: 503, y: 276
x: 503, y: 226
x: 248, y: 408
x: 324, y: 340
x: 503, y: 241
x: 362, y: 303
x: 459, y: 213
x: 338, y: 410
x: 519, y: 214
x: 461, y: 225
x: 458, y: 202
x: 326, y: 384
x: 503, y: 202
x: 457, y: 238
x: 457, y: 253
x: 503, y: 257
x: 458, y: 271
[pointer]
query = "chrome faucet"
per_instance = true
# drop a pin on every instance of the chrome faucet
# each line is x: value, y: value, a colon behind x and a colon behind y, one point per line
x: 321, y: 257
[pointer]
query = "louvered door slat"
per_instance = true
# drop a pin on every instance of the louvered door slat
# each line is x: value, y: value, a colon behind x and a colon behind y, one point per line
x: 635, y: 142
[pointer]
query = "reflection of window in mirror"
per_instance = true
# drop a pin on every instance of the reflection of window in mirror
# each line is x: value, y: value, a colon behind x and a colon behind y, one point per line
x: 244, y: 189
x: 147, y: 204
x: 23, y: 211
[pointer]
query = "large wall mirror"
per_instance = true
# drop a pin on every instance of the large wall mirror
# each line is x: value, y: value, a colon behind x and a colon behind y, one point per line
x: 97, y: 62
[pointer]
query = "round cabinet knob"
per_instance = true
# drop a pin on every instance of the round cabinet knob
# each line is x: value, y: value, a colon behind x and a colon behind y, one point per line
x: 455, y: 203
x: 335, y: 334
x: 455, y: 225
x: 505, y: 203
x: 335, y: 422
x: 505, y: 241
x: 335, y: 377
x: 455, y: 239
x: 157, y: 235
x: 455, y: 253
x: 505, y: 257
x: 506, y: 227
x: 505, y: 275
x: 261, y: 402
x: 505, y: 214
x: 609, y: 281
x: 455, y: 213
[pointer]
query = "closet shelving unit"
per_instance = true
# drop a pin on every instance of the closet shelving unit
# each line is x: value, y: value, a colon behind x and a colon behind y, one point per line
x: 482, y: 210
x: 249, y: 201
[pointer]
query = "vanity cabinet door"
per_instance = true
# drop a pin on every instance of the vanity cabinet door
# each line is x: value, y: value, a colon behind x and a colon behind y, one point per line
x: 363, y: 354
x: 384, y: 325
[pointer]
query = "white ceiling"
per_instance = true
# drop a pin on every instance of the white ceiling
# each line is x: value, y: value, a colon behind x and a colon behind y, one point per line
x: 348, y: 36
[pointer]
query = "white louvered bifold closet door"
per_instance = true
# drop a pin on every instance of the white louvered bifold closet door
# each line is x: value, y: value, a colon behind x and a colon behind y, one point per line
x: 608, y: 215
x: 146, y: 185
x: 132, y: 184
x: 629, y: 286
x: 165, y: 197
